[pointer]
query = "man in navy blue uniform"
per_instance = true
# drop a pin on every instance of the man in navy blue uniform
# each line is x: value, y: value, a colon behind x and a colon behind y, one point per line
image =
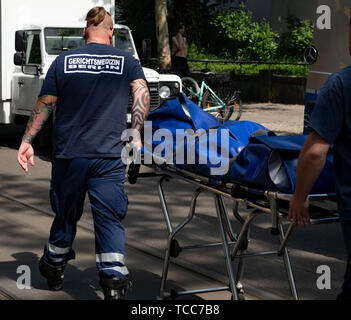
x: 88, y: 88
x: 330, y: 124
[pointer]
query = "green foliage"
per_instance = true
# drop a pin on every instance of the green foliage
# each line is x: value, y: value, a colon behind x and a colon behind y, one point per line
x: 235, y: 36
x: 230, y: 35
x: 242, y: 39
x: 298, y: 37
x: 194, y: 52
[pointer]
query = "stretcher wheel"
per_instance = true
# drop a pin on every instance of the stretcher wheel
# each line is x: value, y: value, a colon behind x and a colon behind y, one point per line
x: 241, y: 295
x: 175, y: 249
x: 173, y: 294
x: 244, y: 245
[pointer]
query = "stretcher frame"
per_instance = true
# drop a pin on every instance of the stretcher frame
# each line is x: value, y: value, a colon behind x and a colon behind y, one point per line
x: 234, y: 246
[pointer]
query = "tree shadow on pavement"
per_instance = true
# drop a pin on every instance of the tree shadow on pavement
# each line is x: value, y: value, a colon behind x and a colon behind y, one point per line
x: 78, y: 284
x: 11, y: 136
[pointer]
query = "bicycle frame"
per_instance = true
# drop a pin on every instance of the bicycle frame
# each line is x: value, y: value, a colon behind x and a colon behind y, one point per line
x: 204, y: 87
x: 199, y: 96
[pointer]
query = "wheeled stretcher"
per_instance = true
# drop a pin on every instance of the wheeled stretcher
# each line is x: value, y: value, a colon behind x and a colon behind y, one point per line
x: 260, y: 173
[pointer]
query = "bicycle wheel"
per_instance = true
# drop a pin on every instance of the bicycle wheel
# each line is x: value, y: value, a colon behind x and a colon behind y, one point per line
x: 237, y: 108
x: 190, y: 88
x: 232, y: 105
x: 209, y: 101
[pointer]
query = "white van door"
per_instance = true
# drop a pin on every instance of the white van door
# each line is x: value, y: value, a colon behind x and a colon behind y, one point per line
x: 26, y: 82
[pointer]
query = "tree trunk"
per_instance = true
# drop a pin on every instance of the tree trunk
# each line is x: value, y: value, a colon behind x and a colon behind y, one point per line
x: 162, y: 35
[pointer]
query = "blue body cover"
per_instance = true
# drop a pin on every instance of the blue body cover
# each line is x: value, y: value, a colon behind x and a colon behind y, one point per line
x: 207, y: 155
x: 269, y: 162
x: 253, y: 156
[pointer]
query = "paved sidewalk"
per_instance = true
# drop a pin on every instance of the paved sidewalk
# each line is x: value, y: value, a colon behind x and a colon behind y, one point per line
x: 24, y: 231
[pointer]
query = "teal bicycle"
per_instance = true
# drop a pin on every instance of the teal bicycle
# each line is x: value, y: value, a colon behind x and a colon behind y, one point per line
x: 222, y: 108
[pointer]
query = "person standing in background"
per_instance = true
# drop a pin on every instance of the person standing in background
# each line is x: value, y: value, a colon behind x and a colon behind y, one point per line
x: 179, y: 60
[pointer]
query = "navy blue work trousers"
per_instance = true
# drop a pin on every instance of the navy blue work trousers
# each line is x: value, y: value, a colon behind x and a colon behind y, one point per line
x: 346, y: 287
x: 103, y: 180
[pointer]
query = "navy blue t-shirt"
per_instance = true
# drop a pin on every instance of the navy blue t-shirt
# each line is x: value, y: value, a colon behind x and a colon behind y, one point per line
x: 331, y: 119
x: 92, y: 84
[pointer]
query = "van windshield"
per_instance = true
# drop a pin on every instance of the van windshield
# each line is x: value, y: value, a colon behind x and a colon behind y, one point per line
x: 122, y: 40
x: 58, y: 40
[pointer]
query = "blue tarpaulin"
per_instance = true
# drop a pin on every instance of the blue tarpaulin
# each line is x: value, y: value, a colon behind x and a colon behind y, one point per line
x: 242, y: 152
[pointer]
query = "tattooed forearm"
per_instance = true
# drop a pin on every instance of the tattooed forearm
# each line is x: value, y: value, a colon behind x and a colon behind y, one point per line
x: 141, y: 103
x: 44, y: 107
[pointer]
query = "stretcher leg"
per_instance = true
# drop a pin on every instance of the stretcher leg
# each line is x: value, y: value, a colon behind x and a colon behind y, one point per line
x: 287, y: 263
x: 244, y: 232
x: 285, y: 239
x: 172, y: 232
x: 274, y: 214
x: 233, y: 238
x: 220, y: 213
x: 225, y: 230
x: 241, y: 261
x: 283, y: 250
x: 277, y: 227
x: 226, y: 220
x: 269, y: 205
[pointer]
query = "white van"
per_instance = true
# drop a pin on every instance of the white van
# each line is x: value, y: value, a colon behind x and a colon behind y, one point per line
x: 34, y: 32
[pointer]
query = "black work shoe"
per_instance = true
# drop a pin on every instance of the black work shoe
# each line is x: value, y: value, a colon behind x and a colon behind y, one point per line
x: 53, y: 274
x: 115, y: 288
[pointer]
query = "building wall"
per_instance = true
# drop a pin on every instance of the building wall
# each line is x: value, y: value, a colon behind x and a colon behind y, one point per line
x: 261, y: 9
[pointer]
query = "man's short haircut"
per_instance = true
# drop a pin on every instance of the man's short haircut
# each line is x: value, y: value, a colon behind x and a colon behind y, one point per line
x: 95, y: 16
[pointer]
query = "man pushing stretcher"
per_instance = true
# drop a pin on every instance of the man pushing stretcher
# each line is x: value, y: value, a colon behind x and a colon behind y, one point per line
x: 331, y: 124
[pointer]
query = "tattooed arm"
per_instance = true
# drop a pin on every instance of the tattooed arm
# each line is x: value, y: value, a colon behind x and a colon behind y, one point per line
x: 44, y: 107
x: 141, y: 104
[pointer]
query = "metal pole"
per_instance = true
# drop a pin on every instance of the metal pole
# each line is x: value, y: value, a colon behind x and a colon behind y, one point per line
x: 226, y: 248
x: 285, y: 240
x: 274, y: 211
x: 288, y: 265
x: 164, y: 204
x: 171, y: 232
x: 244, y: 230
x: 241, y: 262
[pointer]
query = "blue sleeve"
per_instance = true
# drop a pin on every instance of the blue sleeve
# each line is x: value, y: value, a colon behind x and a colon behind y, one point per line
x: 136, y: 71
x: 327, y: 115
x: 49, y: 87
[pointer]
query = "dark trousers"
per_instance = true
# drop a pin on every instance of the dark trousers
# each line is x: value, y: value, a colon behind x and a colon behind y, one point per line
x: 346, y: 287
x: 103, y: 180
x: 180, y: 66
